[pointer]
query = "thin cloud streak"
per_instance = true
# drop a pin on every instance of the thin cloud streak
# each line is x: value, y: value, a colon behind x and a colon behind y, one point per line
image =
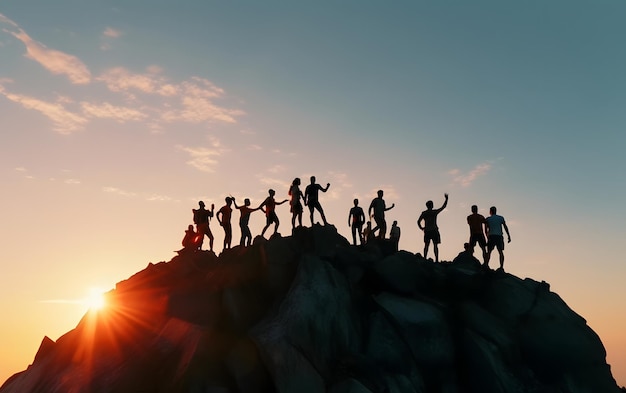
x: 465, y: 180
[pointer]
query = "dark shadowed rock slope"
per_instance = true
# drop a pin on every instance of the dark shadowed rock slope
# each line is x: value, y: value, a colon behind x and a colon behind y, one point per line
x: 310, y: 313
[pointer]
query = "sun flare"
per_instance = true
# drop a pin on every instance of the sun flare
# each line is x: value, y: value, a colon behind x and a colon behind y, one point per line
x: 95, y: 300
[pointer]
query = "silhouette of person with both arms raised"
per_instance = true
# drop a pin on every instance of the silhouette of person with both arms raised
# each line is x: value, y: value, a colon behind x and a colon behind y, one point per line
x: 244, y: 220
x: 430, y: 228
x: 494, y: 226
x: 201, y: 218
x: 296, y: 202
x: 356, y: 219
x: 476, y: 224
x: 311, y: 198
x: 379, y: 208
x: 270, y: 211
x: 223, y: 217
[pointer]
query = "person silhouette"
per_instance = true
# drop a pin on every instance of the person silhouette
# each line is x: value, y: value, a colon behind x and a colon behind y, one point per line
x: 430, y: 228
x: 223, y: 217
x: 356, y: 219
x: 476, y: 224
x: 296, y: 205
x: 377, y: 210
x: 244, y: 220
x: 368, y: 234
x: 311, y: 198
x: 201, y: 218
x: 191, y: 239
x: 494, y: 226
x: 270, y: 211
x: 394, y: 235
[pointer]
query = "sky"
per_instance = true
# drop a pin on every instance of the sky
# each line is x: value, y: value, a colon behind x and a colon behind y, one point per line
x: 117, y: 118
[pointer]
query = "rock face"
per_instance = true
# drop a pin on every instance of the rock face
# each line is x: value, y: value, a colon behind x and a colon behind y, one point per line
x: 310, y: 313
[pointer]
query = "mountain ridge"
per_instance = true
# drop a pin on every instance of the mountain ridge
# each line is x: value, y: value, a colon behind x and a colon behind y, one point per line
x: 311, y: 313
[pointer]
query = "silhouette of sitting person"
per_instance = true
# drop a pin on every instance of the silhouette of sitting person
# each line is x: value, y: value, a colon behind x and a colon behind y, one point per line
x: 368, y: 234
x: 201, y: 218
x: 311, y: 198
x: 477, y: 224
x: 296, y: 202
x: 270, y: 211
x: 494, y: 226
x: 223, y: 217
x: 246, y: 235
x: 430, y: 228
x: 356, y: 219
x: 394, y: 235
x: 191, y: 239
x: 377, y: 210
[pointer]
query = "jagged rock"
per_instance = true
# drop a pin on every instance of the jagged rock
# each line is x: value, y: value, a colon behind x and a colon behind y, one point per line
x: 310, y: 313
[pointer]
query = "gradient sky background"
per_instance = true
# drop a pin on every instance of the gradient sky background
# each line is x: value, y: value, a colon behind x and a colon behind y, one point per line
x: 117, y: 117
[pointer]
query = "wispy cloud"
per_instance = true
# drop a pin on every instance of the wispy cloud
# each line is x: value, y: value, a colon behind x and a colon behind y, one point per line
x: 111, y: 33
x: 118, y: 191
x: 466, y: 179
x: 57, y: 62
x: 108, y: 111
x: 8, y: 21
x: 72, y: 181
x: 64, y: 121
x: 202, y: 158
x: 108, y: 36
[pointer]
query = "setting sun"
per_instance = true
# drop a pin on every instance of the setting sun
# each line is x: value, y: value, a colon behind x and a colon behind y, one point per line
x: 95, y: 300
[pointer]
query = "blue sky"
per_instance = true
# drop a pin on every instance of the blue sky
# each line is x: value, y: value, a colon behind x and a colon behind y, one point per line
x: 118, y: 118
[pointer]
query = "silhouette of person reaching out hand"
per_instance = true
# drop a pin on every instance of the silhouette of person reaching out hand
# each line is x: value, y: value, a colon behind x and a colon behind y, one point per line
x: 430, y: 228
x: 311, y: 198
x: 296, y: 202
x: 356, y: 219
x: 377, y: 210
x: 270, y: 211
x: 223, y: 217
x: 494, y: 226
x: 201, y: 218
x: 246, y: 235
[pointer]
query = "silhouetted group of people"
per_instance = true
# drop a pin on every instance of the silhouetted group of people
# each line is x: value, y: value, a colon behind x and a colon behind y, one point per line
x: 486, y: 232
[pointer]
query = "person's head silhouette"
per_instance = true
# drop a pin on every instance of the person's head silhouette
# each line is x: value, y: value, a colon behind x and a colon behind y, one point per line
x: 272, y: 192
x: 356, y: 202
x: 474, y: 209
x: 246, y: 202
x: 201, y: 204
x: 229, y: 200
x: 380, y: 193
x: 492, y: 210
x: 429, y: 204
x: 190, y: 228
x: 312, y: 179
x: 296, y: 181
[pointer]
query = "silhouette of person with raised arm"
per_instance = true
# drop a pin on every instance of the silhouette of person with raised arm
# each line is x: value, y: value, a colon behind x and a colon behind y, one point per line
x: 430, y: 228
x: 223, y: 217
x: 201, y: 218
x: 270, y: 211
x: 311, y: 198
x: 377, y: 210
x: 394, y: 235
x: 477, y: 224
x: 296, y: 202
x: 191, y: 239
x: 494, y: 226
x: 244, y: 220
x: 356, y: 219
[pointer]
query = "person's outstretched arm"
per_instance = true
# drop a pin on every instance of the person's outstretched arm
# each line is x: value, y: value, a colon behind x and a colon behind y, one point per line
x: 445, y: 203
x: 280, y: 203
x: 325, y: 189
x: 390, y: 207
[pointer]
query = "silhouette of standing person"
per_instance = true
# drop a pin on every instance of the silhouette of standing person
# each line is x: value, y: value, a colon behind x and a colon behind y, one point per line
x: 494, y: 226
x: 378, y: 209
x: 223, y: 217
x: 394, y: 235
x: 201, y: 218
x: 296, y: 202
x: 311, y: 198
x: 270, y: 211
x: 477, y: 224
x: 430, y: 228
x: 368, y: 234
x: 244, y: 220
x: 356, y: 219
